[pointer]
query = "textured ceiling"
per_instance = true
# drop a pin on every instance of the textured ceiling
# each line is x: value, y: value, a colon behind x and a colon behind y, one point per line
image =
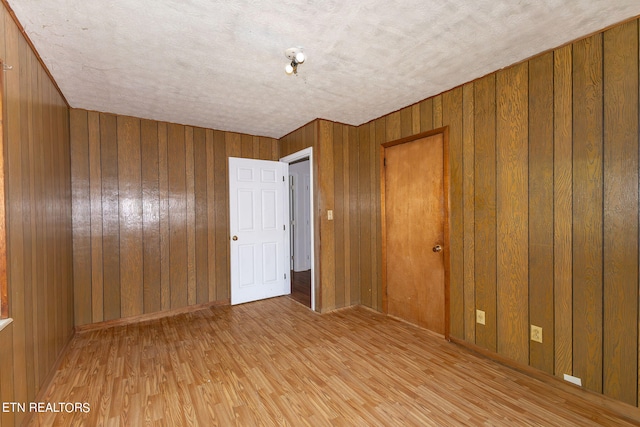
x: 220, y: 64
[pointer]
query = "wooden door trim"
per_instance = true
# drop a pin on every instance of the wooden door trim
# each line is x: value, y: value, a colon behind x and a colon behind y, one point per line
x: 446, y: 184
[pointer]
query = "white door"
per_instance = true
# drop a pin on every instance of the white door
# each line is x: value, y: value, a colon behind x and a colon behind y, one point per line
x: 258, y: 216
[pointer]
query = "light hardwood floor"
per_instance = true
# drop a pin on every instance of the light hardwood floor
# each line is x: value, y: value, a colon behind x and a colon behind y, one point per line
x: 275, y: 362
x: 301, y: 287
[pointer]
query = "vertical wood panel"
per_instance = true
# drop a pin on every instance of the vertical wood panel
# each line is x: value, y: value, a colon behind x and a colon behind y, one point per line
x: 437, y: 111
x: 7, y: 376
x: 426, y: 115
x: 326, y: 188
x: 163, y: 188
x: 587, y: 211
x: 364, y: 204
x: 393, y: 126
x: 191, y: 217
x: 81, y: 209
x: 130, y: 214
x: 211, y: 216
x: 354, y: 218
x: 406, y: 122
x: 33, y: 296
x: 563, y: 210
x: 49, y: 243
x: 373, y: 162
x: 152, y: 290
x: 26, y: 112
x: 14, y: 204
x: 468, y: 155
x: 415, y: 119
x: 512, y: 212
x: 339, y: 214
x: 346, y: 240
x: 265, y: 149
x: 110, y: 225
x: 541, y: 199
x: 452, y: 117
x: 246, y: 145
x: 255, y: 141
x: 36, y: 226
x: 177, y: 214
x: 233, y: 144
x: 378, y: 138
x: 485, y: 209
x: 201, y: 216
x: 221, y: 204
x: 95, y: 172
x: 620, y: 336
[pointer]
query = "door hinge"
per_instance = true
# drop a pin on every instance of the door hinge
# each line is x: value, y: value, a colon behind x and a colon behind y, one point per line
x: 285, y: 276
x: 284, y: 227
x: 384, y: 161
x: 282, y: 178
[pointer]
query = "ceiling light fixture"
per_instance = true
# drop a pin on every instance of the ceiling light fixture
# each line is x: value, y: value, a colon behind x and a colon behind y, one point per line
x: 296, y: 56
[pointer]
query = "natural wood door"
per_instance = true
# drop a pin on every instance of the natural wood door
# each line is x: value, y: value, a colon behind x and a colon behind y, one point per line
x: 414, y: 229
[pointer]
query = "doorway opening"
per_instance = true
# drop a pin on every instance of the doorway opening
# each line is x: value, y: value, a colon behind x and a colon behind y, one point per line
x: 301, y: 226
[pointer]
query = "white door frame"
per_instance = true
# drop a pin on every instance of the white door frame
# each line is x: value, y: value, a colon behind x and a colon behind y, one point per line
x: 300, y: 155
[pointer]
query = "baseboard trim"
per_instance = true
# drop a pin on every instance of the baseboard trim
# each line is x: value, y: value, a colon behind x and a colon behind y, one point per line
x: 616, y: 407
x: 149, y: 316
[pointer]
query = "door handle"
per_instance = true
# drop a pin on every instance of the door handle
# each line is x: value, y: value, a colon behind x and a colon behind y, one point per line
x: 234, y: 238
x: 437, y: 248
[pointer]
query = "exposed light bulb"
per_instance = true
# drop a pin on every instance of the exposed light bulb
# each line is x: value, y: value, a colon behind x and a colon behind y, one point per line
x: 300, y: 57
x: 288, y: 68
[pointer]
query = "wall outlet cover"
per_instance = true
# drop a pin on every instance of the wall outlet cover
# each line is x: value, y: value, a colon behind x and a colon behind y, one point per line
x: 574, y: 380
x: 536, y: 333
x: 480, y: 317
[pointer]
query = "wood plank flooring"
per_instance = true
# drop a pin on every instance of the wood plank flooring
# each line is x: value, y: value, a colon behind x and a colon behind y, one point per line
x: 301, y: 287
x: 275, y: 362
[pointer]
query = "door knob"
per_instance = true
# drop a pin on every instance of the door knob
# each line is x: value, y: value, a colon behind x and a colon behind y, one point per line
x: 236, y: 238
x: 437, y: 248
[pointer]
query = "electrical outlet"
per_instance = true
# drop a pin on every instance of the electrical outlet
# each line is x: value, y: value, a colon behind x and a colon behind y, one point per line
x: 330, y: 215
x: 536, y: 333
x: 480, y: 317
x: 575, y: 380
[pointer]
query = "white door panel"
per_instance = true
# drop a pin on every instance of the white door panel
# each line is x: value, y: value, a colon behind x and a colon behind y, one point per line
x: 258, y: 214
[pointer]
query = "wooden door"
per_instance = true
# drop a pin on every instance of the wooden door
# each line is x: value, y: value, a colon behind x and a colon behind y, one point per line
x: 414, y: 194
x: 258, y: 213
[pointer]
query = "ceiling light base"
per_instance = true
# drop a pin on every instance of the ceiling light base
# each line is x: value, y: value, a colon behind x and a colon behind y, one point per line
x: 292, y: 52
x: 296, y: 56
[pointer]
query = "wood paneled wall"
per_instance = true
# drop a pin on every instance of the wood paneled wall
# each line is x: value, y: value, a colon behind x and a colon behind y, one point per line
x: 39, y: 240
x: 337, y: 244
x: 150, y: 213
x: 543, y: 208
